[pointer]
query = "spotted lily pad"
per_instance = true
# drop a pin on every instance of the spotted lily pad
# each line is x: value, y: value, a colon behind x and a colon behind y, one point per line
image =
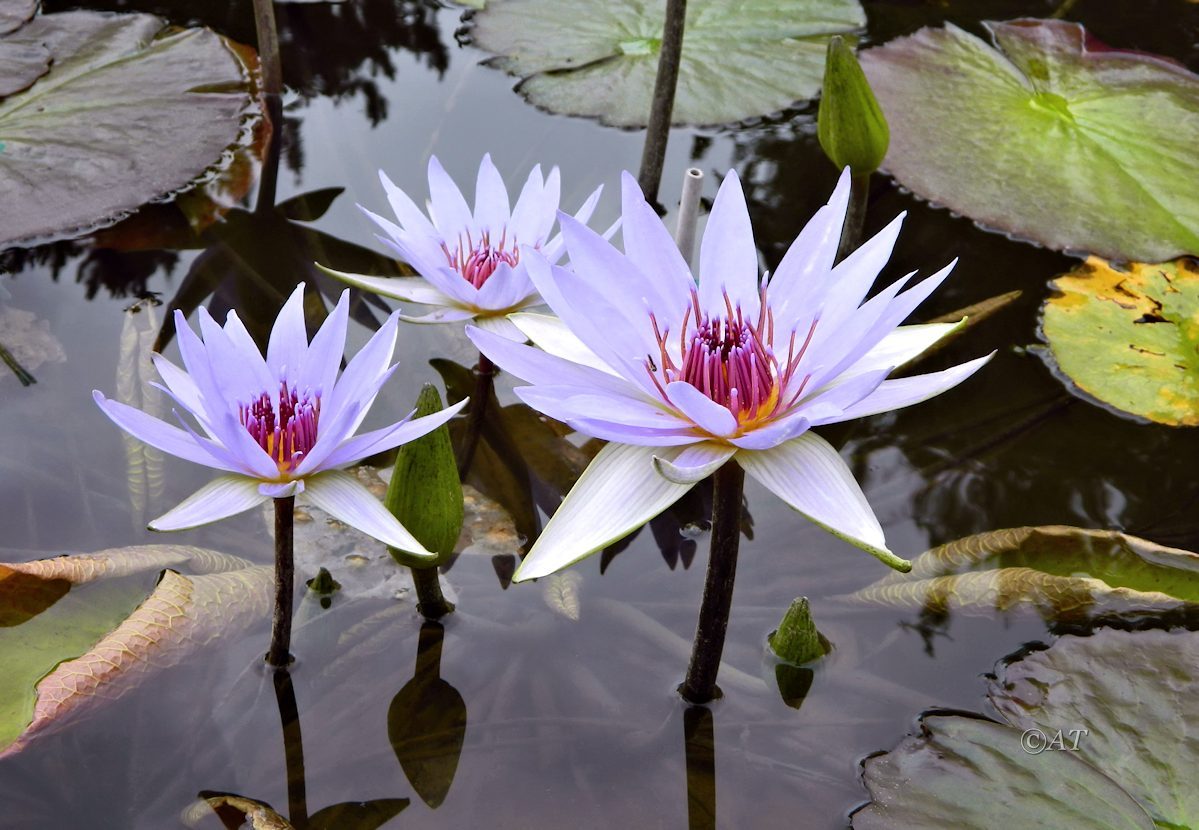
x: 130, y: 111
x: 1130, y: 338
x: 1046, y: 135
x: 1066, y: 573
x: 599, y: 58
x: 78, y: 630
x: 1097, y: 735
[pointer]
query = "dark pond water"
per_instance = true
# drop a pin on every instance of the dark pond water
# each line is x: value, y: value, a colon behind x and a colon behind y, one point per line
x: 568, y: 723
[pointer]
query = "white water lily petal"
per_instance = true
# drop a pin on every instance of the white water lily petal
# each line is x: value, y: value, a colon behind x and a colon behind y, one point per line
x: 441, y: 315
x: 502, y: 326
x: 551, y: 335
x: 342, y: 496
x: 289, y: 338
x: 447, y: 207
x: 617, y: 493
x: 382, y: 440
x: 282, y: 489
x: 901, y: 392
x: 218, y: 499
x: 704, y: 412
x: 695, y: 463
x: 810, y: 476
x: 728, y: 260
x: 408, y: 289
x: 903, y: 344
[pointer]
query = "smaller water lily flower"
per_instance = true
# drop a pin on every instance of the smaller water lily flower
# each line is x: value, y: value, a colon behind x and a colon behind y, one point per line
x: 683, y: 378
x: 470, y: 263
x: 279, y: 425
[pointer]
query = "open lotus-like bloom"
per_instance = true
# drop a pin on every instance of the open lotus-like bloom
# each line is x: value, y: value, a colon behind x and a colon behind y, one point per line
x: 278, y: 426
x: 683, y: 377
x: 470, y: 262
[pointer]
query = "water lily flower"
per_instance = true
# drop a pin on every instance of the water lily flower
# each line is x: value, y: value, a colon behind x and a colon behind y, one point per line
x: 683, y: 378
x: 470, y: 264
x: 281, y: 425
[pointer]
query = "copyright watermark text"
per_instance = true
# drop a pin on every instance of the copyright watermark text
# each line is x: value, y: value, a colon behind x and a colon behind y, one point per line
x: 1035, y: 741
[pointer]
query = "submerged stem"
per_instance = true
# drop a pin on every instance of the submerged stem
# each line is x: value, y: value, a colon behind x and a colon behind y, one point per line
x: 700, y: 684
x: 653, y: 156
x: 293, y: 749
x: 280, y: 653
x: 430, y: 601
x: 484, y: 380
x: 855, y: 217
x: 19, y: 370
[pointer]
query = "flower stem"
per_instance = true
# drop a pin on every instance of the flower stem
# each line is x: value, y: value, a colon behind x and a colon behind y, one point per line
x: 280, y: 654
x: 484, y: 380
x: 653, y: 156
x: 293, y: 748
x: 700, y: 685
x: 430, y: 601
x: 855, y: 217
x: 268, y: 47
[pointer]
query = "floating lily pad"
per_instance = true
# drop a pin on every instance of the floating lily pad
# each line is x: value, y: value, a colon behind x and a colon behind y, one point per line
x: 1130, y: 337
x: 68, y: 644
x: 14, y: 14
x: 1098, y: 736
x: 21, y: 61
x: 599, y: 58
x: 1066, y: 573
x: 130, y: 111
x: 1046, y: 135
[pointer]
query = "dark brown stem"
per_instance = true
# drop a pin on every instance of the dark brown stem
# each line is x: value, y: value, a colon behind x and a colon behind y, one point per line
x: 484, y: 381
x: 855, y: 218
x: 280, y: 654
x: 653, y: 156
x: 430, y: 602
x: 293, y: 750
x: 268, y: 47
x: 728, y: 486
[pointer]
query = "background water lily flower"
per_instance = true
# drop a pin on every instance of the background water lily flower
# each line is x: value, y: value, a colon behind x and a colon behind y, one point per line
x: 683, y: 378
x: 280, y: 425
x: 470, y: 263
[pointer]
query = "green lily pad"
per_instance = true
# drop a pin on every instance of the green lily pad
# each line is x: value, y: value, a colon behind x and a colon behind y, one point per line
x: 78, y: 630
x: 1046, y: 135
x: 1130, y: 338
x: 130, y: 111
x: 1097, y: 735
x: 1066, y: 573
x: 598, y: 58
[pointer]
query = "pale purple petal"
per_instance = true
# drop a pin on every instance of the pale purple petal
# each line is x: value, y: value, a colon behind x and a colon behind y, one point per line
x: 341, y: 496
x: 637, y: 436
x: 799, y: 283
x: 901, y: 392
x: 223, y: 497
x: 381, y: 440
x: 809, y: 475
x: 702, y: 410
x: 728, y: 260
x: 236, y: 376
x: 247, y: 349
x: 289, y: 338
x: 161, y: 435
x: 776, y: 432
x: 901, y: 345
x: 528, y: 224
x: 449, y: 210
x: 827, y: 404
x: 648, y: 243
x: 538, y: 368
x: 492, y: 210
x: 617, y: 493
x: 318, y: 373
x: 182, y: 388
x: 695, y: 463
x: 552, y: 335
x: 361, y: 376
x: 411, y: 217
x: 506, y: 288
x: 568, y: 403
x: 424, y: 253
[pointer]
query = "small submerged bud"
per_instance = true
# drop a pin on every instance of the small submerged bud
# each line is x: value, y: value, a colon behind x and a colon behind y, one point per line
x: 850, y: 123
x: 797, y: 641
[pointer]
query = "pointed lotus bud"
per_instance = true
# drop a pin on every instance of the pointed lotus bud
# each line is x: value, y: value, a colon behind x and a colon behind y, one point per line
x: 850, y: 124
x: 424, y: 492
x: 797, y: 641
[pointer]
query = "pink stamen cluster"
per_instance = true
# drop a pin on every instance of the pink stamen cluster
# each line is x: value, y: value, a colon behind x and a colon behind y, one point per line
x: 730, y: 359
x: 476, y: 263
x: 285, y: 433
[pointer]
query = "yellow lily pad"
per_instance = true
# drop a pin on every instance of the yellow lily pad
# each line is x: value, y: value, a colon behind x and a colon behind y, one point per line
x: 1129, y: 337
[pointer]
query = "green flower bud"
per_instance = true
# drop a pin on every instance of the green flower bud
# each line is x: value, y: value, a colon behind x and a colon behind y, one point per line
x: 850, y: 124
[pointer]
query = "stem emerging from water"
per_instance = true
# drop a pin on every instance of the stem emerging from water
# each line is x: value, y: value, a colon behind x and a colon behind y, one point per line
x: 430, y: 601
x: 484, y: 380
x: 700, y: 685
x: 280, y: 654
x: 653, y: 156
x: 855, y: 217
